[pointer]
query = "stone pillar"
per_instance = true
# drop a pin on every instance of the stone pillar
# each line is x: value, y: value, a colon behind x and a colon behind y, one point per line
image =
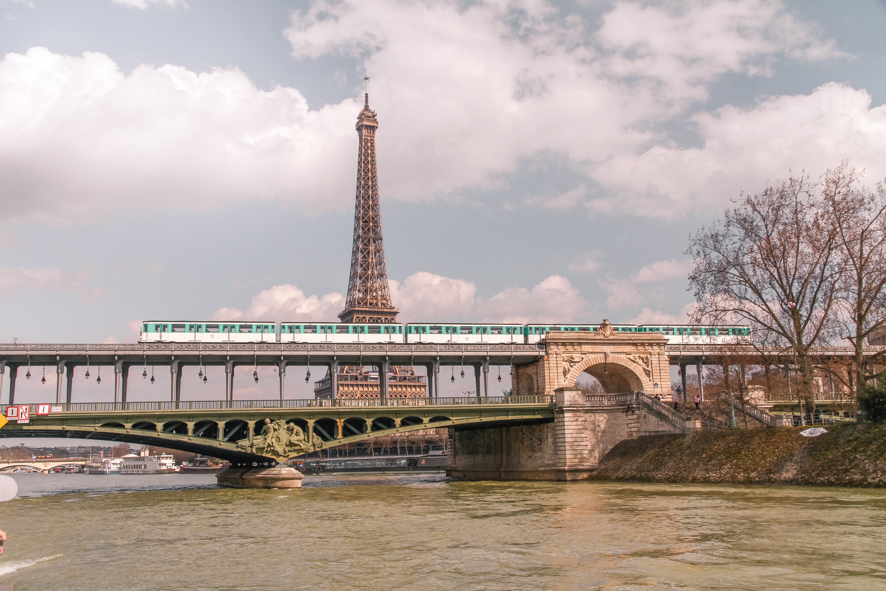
x: 229, y: 382
x: 13, y: 372
x: 260, y: 477
x: 59, y: 372
x: 70, y: 385
x: 700, y: 370
x: 683, y: 380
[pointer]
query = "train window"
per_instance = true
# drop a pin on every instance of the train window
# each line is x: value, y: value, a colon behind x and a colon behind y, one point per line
x: 211, y: 327
x: 178, y: 328
x: 310, y: 328
x: 245, y: 328
x: 436, y: 330
x: 496, y: 330
x: 466, y: 330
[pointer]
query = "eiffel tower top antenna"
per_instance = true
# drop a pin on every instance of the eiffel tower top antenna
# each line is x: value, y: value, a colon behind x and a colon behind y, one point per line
x: 369, y: 295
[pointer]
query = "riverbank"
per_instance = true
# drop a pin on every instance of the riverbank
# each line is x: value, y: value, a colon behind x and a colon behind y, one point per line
x: 848, y: 455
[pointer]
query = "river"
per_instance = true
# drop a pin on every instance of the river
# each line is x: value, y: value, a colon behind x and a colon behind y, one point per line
x: 70, y: 531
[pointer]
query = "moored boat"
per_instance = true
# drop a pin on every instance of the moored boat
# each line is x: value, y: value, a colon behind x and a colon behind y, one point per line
x: 145, y: 464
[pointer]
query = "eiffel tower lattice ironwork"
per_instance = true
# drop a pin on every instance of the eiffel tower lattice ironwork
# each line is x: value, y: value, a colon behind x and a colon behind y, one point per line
x: 369, y: 295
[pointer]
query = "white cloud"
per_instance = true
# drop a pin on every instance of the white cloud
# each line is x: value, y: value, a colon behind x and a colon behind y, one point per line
x: 466, y: 95
x: 14, y: 279
x: 627, y: 292
x: 745, y: 148
x: 426, y: 296
x: 143, y: 4
x: 284, y: 303
x: 76, y: 134
x: 586, y: 262
x: 648, y: 316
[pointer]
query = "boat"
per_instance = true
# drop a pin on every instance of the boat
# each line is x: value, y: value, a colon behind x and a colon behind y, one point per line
x: 433, y: 462
x: 201, y: 465
x: 102, y: 465
x: 145, y: 464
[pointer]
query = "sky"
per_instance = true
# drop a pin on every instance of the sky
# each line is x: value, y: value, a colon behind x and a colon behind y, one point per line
x: 538, y: 161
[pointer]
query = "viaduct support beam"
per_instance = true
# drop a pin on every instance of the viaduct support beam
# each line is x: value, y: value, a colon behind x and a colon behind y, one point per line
x: 486, y: 378
x: 121, y: 371
x: 281, y: 370
x: 384, y: 379
x: 333, y: 378
x: 59, y: 372
x: 176, y: 387
x: 229, y: 381
x: 69, y: 378
x: 476, y: 367
x: 2, y: 371
x: 13, y: 372
x: 683, y: 381
x: 700, y: 370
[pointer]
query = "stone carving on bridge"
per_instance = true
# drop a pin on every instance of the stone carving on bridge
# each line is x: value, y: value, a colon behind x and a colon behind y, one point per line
x: 279, y: 439
x: 605, y: 329
x: 570, y: 361
x: 644, y: 361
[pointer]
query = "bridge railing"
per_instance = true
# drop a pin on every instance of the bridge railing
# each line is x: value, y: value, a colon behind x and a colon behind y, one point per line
x: 286, y: 403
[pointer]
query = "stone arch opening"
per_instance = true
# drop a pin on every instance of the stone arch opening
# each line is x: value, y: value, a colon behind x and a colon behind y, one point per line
x: 615, y: 373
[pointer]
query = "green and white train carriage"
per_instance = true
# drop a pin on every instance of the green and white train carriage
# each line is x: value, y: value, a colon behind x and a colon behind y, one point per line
x: 337, y: 332
x: 154, y: 331
x: 465, y: 333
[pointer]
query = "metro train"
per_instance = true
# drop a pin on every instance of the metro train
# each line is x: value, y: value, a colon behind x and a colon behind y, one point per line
x: 335, y: 332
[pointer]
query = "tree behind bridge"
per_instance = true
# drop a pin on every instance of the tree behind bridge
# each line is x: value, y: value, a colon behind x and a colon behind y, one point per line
x: 772, y: 262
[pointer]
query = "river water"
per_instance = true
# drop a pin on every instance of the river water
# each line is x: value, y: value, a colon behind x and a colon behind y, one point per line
x: 70, y: 531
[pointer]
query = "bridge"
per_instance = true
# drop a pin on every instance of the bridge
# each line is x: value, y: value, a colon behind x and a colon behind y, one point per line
x: 40, y: 465
x: 546, y: 428
x: 228, y: 429
x: 638, y: 359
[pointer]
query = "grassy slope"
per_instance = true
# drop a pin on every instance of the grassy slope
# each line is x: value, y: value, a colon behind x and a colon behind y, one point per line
x: 848, y: 455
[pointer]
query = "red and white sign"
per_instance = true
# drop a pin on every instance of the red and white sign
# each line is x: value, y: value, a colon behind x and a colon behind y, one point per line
x: 24, y: 413
x: 11, y: 413
x: 42, y: 409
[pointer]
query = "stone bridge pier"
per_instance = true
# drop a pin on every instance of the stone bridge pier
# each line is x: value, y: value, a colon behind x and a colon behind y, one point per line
x: 631, y: 367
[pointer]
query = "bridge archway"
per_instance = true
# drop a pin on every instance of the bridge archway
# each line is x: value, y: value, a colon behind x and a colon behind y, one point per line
x: 616, y: 373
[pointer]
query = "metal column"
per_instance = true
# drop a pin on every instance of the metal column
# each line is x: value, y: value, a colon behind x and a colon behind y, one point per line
x: 486, y: 378
x: 383, y: 378
x: 124, y: 382
x: 333, y: 378
x: 176, y: 374
x: 436, y: 380
x: 59, y: 371
x: 70, y: 383
x: 700, y: 370
x: 683, y: 381
x: 229, y: 381
x: 119, y: 392
x: 281, y: 369
x: 476, y: 367
x: 13, y: 372
x: 2, y: 371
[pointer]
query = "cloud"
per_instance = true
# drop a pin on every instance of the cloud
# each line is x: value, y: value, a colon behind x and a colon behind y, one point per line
x: 586, y: 262
x: 76, y: 134
x: 152, y: 267
x: 143, y: 4
x: 425, y: 296
x: 512, y: 83
x: 647, y: 316
x: 746, y: 147
x: 285, y: 303
x: 15, y: 279
x: 122, y: 267
x: 628, y: 292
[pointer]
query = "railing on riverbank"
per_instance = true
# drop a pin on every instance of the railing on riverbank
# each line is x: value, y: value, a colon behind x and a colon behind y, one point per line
x: 287, y: 404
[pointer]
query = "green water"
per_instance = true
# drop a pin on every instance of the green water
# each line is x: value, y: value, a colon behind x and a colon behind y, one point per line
x: 424, y: 532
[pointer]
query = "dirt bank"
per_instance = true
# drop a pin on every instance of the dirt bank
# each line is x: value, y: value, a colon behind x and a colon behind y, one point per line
x: 848, y: 455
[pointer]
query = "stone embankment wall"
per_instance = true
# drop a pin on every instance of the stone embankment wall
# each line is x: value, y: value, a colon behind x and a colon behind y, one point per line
x: 848, y: 455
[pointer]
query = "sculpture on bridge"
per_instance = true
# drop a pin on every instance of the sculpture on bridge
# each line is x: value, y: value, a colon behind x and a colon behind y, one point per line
x: 279, y: 439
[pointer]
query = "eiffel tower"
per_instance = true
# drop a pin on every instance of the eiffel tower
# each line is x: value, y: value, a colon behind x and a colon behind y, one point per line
x: 369, y: 295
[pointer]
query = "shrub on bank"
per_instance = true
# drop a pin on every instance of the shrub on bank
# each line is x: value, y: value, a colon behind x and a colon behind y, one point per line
x: 872, y: 404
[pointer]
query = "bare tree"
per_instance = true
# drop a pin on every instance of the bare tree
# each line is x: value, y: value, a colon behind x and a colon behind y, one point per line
x: 858, y: 215
x: 771, y: 262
